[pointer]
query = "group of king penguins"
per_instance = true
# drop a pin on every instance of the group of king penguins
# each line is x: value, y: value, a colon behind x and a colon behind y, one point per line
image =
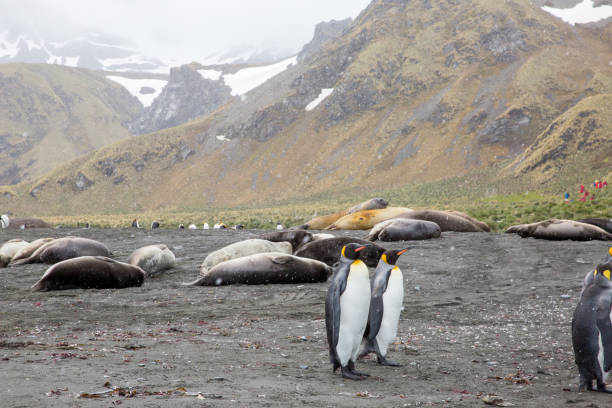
x: 362, y: 317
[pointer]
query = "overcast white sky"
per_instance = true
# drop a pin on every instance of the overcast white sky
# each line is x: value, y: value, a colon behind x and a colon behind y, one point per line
x: 181, y: 28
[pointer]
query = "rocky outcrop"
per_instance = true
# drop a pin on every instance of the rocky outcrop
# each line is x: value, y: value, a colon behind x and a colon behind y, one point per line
x: 324, y: 32
x: 186, y: 96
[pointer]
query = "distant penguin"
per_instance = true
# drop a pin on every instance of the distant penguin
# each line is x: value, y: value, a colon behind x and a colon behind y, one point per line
x: 192, y: 226
x: 155, y: 224
x: 385, y: 307
x: 4, y: 221
x: 238, y: 226
x: 279, y: 227
x: 220, y: 225
x: 86, y: 225
x: 206, y: 226
x: 346, y: 311
x: 135, y: 223
x: 181, y: 226
x: 592, y: 331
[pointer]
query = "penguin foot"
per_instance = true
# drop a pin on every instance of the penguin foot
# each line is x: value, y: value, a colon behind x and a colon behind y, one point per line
x: 351, y: 375
x: 351, y: 367
x: 383, y: 361
x: 602, y: 388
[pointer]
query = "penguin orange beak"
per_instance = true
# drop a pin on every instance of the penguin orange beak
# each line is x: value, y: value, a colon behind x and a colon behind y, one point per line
x: 403, y: 250
x: 360, y: 248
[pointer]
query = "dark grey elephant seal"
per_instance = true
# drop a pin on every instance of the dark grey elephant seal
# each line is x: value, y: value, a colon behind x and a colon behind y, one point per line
x: 65, y: 248
x: 152, y: 259
x: 401, y: 229
x: 90, y: 272
x: 446, y: 220
x: 329, y: 250
x: 482, y: 225
x: 554, y: 229
x: 603, y: 223
x: 260, y: 269
x: 297, y: 238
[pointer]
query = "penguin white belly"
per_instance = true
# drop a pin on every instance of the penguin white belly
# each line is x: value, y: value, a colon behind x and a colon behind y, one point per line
x: 354, y: 308
x: 393, y: 299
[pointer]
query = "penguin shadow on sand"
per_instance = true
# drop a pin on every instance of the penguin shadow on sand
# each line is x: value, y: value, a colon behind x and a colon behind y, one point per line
x: 362, y: 317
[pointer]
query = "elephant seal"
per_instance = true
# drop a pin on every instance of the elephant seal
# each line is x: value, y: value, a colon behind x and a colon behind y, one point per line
x: 24, y: 222
x: 90, y: 272
x: 152, y: 259
x: 9, y: 249
x: 324, y: 221
x: 446, y: 220
x: 297, y: 238
x: 603, y: 223
x: 366, y: 219
x: 403, y: 229
x: 65, y: 248
x: 554, y: 229
x: 29, y: 249
x: 243, y: 248
x: 329, y: 250
x: 482, y: 225
x: 260, y: 269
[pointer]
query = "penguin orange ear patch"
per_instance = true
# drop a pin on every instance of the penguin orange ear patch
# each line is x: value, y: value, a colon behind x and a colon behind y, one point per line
x: 343, y: 248
x: 384, y: 258
x: 606, y: 273
x: 595, y: 272
x: 610, y: 251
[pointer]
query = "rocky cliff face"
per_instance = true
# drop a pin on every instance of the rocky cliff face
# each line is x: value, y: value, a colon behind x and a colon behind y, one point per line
x: 324, y: 32
x: 186, y: 96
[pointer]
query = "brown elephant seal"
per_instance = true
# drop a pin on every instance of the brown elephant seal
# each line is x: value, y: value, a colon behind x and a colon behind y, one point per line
x: 23, y: 222
x: 261, y: 269
x: 324, y: 221
x: 482, y: 225
x: 152, y: 259
x: 29, y: 249
x: 603, y: 223
x: 554, y: 229
x: 243, y: 248
x: 61, y: 249
x: 446, y: 220
x: 90, y: 272
x: 329, y: 250
x: 9, y: 249
x: 297, y: 238
x: 402, y: 229
x: 366, y: 219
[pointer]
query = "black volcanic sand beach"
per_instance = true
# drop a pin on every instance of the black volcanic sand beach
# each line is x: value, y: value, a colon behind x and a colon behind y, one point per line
x: 484, y: 314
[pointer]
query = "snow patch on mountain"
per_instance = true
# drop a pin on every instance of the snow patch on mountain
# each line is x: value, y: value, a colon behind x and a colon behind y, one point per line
x: 211, y: 74
x: 325, y: 92
x: 137, y: 86
x: 581, y: 13
x: 248, y: 78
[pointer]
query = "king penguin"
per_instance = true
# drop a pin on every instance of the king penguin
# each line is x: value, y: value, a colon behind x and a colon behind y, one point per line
x: 590, y: 276
x: 592, y: 331
x: 385, y: 307
x: 346, y: 311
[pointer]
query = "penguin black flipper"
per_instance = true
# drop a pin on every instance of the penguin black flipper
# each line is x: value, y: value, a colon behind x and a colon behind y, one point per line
x: 332, y: 305
x: 605, y: 329
x: 377, y: 308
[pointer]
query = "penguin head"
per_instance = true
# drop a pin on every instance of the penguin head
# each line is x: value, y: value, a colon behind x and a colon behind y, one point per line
x: 602, y: 275
x: 390, y: 256
x: 351, y: 251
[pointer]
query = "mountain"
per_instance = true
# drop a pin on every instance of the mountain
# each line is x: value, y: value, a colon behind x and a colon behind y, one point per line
x: 98, y: 52
x: 50, y: 114
x: 409, y: 92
